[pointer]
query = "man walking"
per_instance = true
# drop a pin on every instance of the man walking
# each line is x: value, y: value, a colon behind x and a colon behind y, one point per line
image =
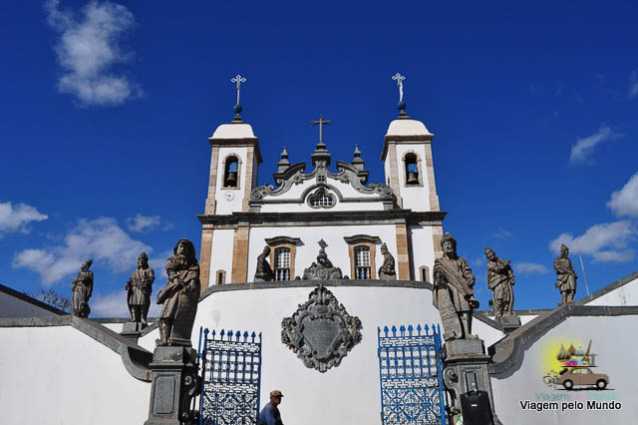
x: 270, y: 413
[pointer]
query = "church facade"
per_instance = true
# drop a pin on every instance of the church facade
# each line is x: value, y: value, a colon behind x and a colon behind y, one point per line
x: 322, y: 243
x: 325, y: 200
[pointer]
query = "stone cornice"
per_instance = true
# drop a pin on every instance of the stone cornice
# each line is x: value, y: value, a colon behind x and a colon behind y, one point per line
x: 326, y: 217
x: 415, y: 284
x: 362, y: 238
x: 280, y: 240
x: 28, y: 299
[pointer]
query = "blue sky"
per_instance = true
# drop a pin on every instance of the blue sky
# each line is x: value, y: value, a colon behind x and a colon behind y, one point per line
x: 107, y: 108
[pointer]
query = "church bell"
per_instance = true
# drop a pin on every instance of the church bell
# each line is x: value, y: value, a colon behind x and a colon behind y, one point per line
x: 413, y: 178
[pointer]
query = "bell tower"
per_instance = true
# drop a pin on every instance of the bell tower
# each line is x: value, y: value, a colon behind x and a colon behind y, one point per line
x: 235, y: 157
x: 407, y: 157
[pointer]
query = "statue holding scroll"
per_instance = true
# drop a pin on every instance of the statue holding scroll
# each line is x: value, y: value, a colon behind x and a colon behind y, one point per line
x: 453, y: 292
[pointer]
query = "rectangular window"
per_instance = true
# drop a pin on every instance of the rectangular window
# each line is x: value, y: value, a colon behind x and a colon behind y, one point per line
x: 362, y: 263
x: 282, y: 264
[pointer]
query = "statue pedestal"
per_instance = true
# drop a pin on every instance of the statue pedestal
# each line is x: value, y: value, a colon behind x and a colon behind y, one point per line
x: 174, y: 376
x: 132, y: 330
x: 509, y: 323
x: 467, y: 379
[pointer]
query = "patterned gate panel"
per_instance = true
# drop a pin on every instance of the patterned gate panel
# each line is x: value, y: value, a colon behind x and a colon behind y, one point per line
x: 411, y: 372
x: 231, y: 370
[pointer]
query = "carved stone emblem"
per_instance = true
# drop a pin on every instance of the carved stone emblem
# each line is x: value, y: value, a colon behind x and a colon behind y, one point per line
x: 321, y: 332
x: 323, y: 268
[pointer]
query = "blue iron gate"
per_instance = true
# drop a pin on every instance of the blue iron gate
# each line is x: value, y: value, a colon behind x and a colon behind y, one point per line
x: 411, y: 372
x: 230, y: 372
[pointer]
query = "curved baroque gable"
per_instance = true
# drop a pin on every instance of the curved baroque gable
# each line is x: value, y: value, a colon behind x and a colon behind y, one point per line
x: 296, y: 186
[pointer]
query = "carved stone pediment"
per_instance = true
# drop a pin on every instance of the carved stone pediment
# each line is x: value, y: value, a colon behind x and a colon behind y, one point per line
x: 321, y: 332
x: 296, y: 175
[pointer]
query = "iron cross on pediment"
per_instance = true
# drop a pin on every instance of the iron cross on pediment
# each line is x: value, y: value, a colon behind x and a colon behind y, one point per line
x: 321, y: 122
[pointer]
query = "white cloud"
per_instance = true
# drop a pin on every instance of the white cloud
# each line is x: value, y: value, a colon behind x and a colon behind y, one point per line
x: 109, y: 305
x: 633, y: 85
x: 114, y: 304
x: 530, y: 268
x: 101, y: 239
x: 16, y: 218
x: 502, y: 233
x: 584, y: 148
x: 624, y: 202
x: 614, y: 256
x: 605, y: 242
x: 158, y: 263
x: 143, y: 223
x: 89, y: 48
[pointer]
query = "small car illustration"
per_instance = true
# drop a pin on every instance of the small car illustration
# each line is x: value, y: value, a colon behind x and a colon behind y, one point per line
x: 582, y: 376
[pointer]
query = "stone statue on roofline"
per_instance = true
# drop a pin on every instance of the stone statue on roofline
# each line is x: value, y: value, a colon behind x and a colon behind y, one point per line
x: 387, y: 270
x: 82, y: 290
x: 264, y: 272
x: 323, y: 268
x: 500, y: 279
x: 138, y: 290
x: 180, y: 296
x: 453, y: 293
x: 565, y: 276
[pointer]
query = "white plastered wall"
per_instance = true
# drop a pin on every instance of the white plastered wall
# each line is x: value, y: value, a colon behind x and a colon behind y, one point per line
x: 337, y: 249
x: 221, y: 254
x: 487, y: 333
x: 626, y: 294
x: 60, y: 376
x: 115, y: 326
x: 422, y: 250
x: 615, y: 348
x: 347, y: 394
x: 225, y: 205
x: 525, y: 318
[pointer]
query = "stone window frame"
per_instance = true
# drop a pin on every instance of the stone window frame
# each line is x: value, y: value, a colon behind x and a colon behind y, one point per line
x: 326, y: 192
x: 424, y: 272
x: 371, y: 243
x: 220, y: 277
x: 283, y: 242
x: 239, y: 165
x: 419, y: 169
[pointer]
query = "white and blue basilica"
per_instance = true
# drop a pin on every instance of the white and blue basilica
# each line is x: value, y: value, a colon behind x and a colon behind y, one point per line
x: 359, y: 344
